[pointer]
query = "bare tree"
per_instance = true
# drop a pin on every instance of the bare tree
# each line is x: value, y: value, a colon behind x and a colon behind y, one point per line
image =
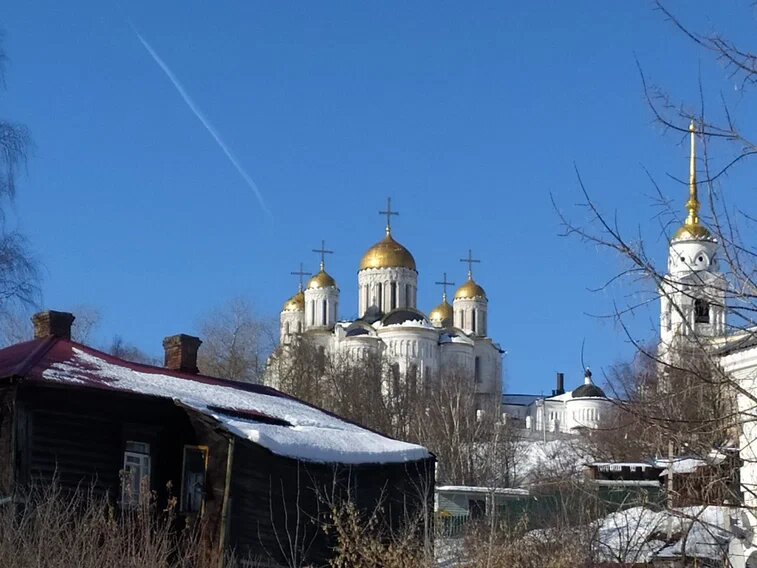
x: 19, y: 274
x: 87, y: 321
x: 235, y: 342
x: 123, y: 350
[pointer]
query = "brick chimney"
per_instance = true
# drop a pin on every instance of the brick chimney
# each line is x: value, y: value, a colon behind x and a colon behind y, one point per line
x: 560, y: 386
x: 52, y: 324
x: 181, y: 353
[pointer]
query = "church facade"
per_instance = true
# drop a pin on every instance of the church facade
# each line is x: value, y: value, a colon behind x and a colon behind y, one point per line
x: 417, y: 346
x: 562, y: 412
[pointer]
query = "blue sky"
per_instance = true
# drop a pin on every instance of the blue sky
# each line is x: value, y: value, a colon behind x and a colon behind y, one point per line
x: 468, y: 114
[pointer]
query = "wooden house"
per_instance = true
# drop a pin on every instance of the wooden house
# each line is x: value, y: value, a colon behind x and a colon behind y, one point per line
x: 246, y: 458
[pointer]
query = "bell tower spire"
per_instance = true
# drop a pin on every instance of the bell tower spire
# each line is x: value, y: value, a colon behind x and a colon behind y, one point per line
x: 693, y: 203
x: 692, y: 227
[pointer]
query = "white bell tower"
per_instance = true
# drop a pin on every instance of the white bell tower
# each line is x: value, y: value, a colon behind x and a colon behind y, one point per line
x: 692, y: 293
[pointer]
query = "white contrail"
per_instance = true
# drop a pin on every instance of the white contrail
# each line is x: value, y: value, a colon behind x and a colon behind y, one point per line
x: 205, y: 122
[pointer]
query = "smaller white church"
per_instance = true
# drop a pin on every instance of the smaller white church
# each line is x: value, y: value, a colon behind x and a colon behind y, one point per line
x: 563, y: 412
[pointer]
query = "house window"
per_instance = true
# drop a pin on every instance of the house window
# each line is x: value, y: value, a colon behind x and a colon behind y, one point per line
x: 394, y: 295
x: 477, y: 372
x: 380, y: 290
x: 408, y: 292
x: 473, y: 322
x: 193, y: 478
x: 324, y: 321
x: 701, y: 311
x: 135, y: 476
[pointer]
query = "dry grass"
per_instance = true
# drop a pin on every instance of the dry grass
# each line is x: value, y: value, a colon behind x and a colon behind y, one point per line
x: 361, y: 542
x: 512, y: 548
x: 51, y: 529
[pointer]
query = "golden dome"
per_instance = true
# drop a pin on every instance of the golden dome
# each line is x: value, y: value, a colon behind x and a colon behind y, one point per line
x: 387, y: 254
x: 441, y: 315
x: 692, y: 231
x: 321, y: 280
x: 296, y: 303
x: 470, y: 290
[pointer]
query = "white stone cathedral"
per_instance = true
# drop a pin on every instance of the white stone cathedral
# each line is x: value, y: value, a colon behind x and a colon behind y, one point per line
x: 389, y: 322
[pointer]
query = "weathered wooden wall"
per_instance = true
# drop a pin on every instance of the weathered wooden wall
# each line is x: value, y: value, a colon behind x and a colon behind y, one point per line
x: 7, y: 455
x: 279, y: 505
x: 78, y: 437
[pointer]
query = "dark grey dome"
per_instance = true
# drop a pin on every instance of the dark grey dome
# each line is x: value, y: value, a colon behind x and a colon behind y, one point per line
x: 359, y: 327
x: 357, y: 331
x: 588, y: 391
x: 401, y: 315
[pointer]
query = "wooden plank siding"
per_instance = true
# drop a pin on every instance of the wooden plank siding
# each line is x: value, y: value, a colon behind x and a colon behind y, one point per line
x: 7, y: 454
x: 78, y: 438
x: 278, y: 503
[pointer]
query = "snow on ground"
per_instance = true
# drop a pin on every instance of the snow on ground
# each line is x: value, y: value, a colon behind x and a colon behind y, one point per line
x: 627, y: 536
x: 311, y: 434
x: 636, y: 535
x: 535, y: 458
x: 447, y: 552
x: 639, y: 534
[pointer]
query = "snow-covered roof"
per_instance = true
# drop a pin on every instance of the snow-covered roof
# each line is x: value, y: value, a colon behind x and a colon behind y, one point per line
x: 617, y: 466
x: 520, y: 399
x: 483, y: 490
x: 282, y: 424
x: 690, y: 464
x: 455, y: 336
x: 626, y: 482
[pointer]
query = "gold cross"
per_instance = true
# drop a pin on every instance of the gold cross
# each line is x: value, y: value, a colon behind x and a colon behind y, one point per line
x: 323, y: 252
x: 470, y: 261
x: 444, y: 285
x: 301, y: 273
x: 389, y: 214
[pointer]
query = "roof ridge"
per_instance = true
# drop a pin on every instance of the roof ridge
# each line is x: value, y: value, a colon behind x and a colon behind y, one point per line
x: 35, y: 355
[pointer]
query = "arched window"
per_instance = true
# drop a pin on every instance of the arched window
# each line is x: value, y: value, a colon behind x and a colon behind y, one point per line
x: 286, y: 328
x: 477, y: 370
x: 380, y: 294
x: 473, y: 321
x: 393, y: 303
x: 701, y: 311
x: 324, y: 314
